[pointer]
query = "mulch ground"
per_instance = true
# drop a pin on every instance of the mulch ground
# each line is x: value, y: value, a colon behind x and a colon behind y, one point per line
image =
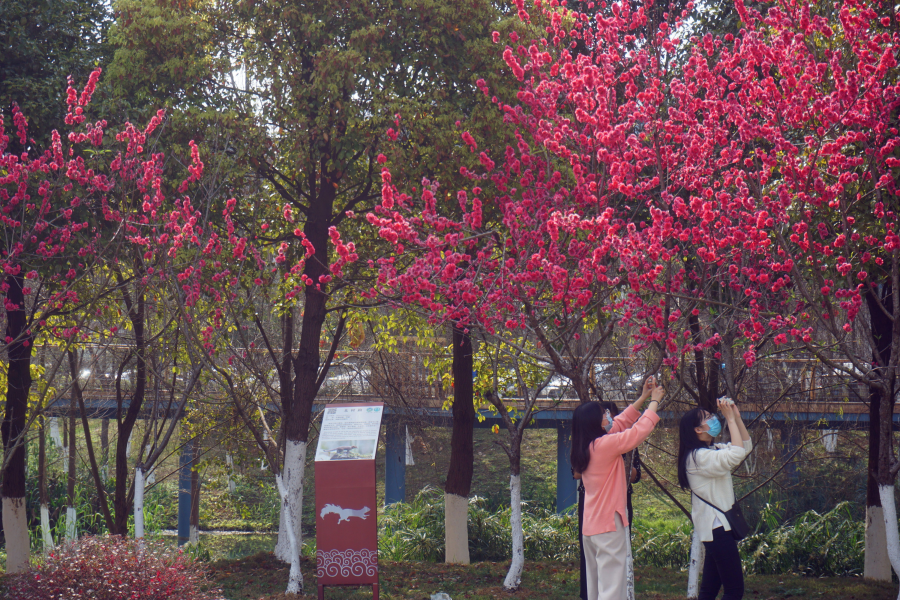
x: 263, y: 577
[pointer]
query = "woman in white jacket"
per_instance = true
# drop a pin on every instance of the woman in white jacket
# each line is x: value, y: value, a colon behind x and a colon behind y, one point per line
x: 705, y: 468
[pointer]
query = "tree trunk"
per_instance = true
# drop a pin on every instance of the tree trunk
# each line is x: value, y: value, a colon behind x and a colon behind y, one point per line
x: 877, y: 551
x: 18, y: 382
x: 462, y: 452
x: 122, y: 498
x: 297, y: 409
x: 514, y: 576
x: 629, y: 566
x: 292, y: 480
x: 877, y: 566
x: 295, y: 577
x: 71, y: 516
x: 698, y: 554
x: 890, y: 525
x: 194, y: 529
x: 46, y: 536
x: 54, y: 432
x: 138, y: 503
x: 629, y: 559
x: 104, y: 449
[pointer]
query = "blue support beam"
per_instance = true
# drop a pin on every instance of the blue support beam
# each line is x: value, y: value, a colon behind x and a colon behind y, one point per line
x: 566, y: 486
x: 184, y: 493
x: 395, y: 464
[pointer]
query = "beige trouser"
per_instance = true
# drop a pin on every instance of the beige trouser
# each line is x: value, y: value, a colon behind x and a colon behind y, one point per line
x: 604, y: 556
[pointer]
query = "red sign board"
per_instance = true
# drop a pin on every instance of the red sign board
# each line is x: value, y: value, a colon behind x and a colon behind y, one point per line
x: 346, y: 520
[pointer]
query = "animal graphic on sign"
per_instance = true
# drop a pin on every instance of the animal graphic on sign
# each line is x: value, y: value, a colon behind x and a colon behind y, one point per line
x: 344, y: 514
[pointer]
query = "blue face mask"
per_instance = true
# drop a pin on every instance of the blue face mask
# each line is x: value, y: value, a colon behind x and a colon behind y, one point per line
x: 609, y: 421
x: 715, y: 428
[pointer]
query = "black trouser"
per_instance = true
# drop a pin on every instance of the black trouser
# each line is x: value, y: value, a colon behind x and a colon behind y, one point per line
x: 722, y: 568
x: 582, y: 564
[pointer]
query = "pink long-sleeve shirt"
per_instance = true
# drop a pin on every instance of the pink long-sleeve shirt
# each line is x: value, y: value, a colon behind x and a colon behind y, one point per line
x: 604, y: 480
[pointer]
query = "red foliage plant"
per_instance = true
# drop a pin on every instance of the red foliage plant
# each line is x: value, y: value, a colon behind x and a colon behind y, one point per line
x: 113, y: 568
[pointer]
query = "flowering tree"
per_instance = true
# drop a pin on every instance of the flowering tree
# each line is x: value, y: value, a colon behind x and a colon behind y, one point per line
x: 753, y: 135
x: 48, y: 245
x: 782, y: 153
x: 101, y: 219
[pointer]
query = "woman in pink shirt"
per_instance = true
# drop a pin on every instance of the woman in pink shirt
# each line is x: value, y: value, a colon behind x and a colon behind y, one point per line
x: 597, y: 449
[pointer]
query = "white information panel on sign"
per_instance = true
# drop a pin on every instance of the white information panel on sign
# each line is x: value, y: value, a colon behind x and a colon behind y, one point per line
x: 349, y: 432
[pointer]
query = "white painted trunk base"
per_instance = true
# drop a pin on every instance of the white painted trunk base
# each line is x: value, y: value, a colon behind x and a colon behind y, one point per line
x: 138, y: 503
x: 71, y: 524
x: 456, y: 529
x: 877, y: 565
x: 295, y: 577
x: 829, y: 440
x: 229, y: 462
x: 46, y: 536
x: 698, y: 554
x: 409, y: 455
x: 151, y: 475
x: 15, y: 528
x: 193, y: 535
x: 629, y: 566
x: 514, y: 577
x: 294, y: 468
x: 892, y: 535
x: 54, y: 432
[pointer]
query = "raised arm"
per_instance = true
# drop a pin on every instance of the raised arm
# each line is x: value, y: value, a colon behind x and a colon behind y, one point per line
x: 627, y: 417
x: 628, y: 440
x: 745, y: 435
x: 733, y: 428
x: 649, y: 386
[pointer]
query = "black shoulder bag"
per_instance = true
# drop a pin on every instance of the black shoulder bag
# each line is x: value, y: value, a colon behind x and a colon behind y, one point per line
x: 739, y: 527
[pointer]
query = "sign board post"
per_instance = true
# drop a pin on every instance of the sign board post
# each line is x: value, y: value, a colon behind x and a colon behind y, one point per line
x: 346, y: 521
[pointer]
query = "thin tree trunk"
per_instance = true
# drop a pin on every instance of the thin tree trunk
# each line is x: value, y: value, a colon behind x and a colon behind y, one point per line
x: 514, y: 576
x: 698, y: 555
x: 71, y: 516
x: 18, y: 382
x: 138, y: 502
x: 890, y: 526
x: 629, y: 566
x: 462, y: 453
x: 104, y: 449
x: 194, y: 528
x: 122, y: 499
x: 46, y: 536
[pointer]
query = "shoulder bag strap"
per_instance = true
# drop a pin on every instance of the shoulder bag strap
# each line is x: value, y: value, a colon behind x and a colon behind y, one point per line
x: 708, y: 502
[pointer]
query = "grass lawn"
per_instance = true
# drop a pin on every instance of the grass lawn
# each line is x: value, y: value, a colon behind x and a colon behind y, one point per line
x: 262, y: 577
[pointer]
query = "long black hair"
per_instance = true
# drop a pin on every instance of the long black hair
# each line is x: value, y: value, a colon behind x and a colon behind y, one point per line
x: 587, y: 426
x: 688, y: 441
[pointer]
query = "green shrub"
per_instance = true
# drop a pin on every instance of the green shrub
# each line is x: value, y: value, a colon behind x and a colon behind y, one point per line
x: 812, y: 544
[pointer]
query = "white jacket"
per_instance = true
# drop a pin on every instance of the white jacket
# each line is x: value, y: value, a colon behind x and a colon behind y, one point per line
x: 709, y: 475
